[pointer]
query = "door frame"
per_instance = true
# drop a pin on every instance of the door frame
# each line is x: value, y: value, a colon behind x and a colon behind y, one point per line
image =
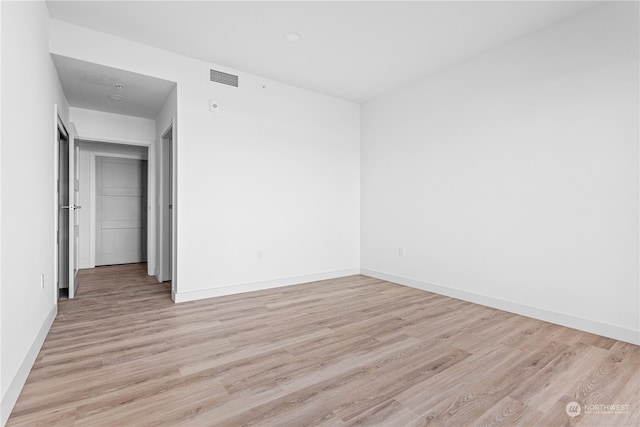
x: 167, y: 247
x: 93, y: 211
x: 151, y: 191
x: 72, y: 266
x: 74, y: 192
x: 59, y: 126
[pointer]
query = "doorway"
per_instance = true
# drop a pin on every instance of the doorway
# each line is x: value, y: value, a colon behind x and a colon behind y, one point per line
x: 119, y: 185
x: 159, y: 238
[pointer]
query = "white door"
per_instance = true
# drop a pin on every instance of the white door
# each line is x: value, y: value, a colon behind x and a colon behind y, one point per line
x: 120, y: 210
x: 74, y: 197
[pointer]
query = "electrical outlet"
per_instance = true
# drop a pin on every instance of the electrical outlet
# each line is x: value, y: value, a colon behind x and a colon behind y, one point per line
x: 42, y: 281
x: 401, y: 251
x: 259, y: 255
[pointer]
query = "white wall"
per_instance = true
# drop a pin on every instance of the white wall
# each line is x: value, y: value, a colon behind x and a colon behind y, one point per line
x: 87, y: 215
x: 98, y: 125
x: 512, y: 179
x: 30, y: 88
x: 277, y: 171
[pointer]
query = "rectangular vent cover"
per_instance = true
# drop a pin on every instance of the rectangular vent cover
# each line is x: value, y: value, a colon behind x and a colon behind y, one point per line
x: 224, y: 78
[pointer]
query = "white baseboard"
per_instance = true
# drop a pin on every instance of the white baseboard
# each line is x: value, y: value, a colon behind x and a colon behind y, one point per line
x: 258, y: 286
x: 599, y: 328
x: 13, y: 392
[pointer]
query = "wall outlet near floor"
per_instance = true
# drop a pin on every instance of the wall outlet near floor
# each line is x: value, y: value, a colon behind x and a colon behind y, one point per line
x: 400, y: 251
x: 42, y: 281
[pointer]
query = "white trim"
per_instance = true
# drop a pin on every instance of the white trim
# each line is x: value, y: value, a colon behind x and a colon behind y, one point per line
x: 259, y: 286
x: 13, y: 392
x: 175, y: 208
x: 587, y: 325
x: 162, y: 222
x: 125, y: 141
x: 56, y: 171
x: 162, y: 263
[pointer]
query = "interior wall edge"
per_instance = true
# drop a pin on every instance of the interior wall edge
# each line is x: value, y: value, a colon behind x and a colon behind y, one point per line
x: 13, y: 392
x: 118, y: 140
x: 259, y: 286
x: 582, y: 324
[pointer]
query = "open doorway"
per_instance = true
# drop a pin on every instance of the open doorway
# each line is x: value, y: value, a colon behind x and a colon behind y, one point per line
x: 114, y: 227
x: 146, y: 99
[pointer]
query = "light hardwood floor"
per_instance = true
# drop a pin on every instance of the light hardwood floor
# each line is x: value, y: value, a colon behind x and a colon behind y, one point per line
x: 349, y: 351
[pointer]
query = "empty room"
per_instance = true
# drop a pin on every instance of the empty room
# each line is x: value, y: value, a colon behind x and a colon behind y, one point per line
x: 309, y: 213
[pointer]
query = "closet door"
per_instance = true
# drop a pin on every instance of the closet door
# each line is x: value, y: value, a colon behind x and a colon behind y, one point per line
x: 120, y: 210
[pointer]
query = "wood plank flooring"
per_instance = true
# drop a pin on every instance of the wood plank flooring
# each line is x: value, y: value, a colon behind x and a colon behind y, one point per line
x: 349, y: 351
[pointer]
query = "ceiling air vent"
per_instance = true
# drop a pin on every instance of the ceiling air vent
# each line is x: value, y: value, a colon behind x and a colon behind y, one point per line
x: 224, y: 78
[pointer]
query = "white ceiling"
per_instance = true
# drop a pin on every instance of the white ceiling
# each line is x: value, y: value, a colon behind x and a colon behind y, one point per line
x: 354, y: 50
x: 88, y: 85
